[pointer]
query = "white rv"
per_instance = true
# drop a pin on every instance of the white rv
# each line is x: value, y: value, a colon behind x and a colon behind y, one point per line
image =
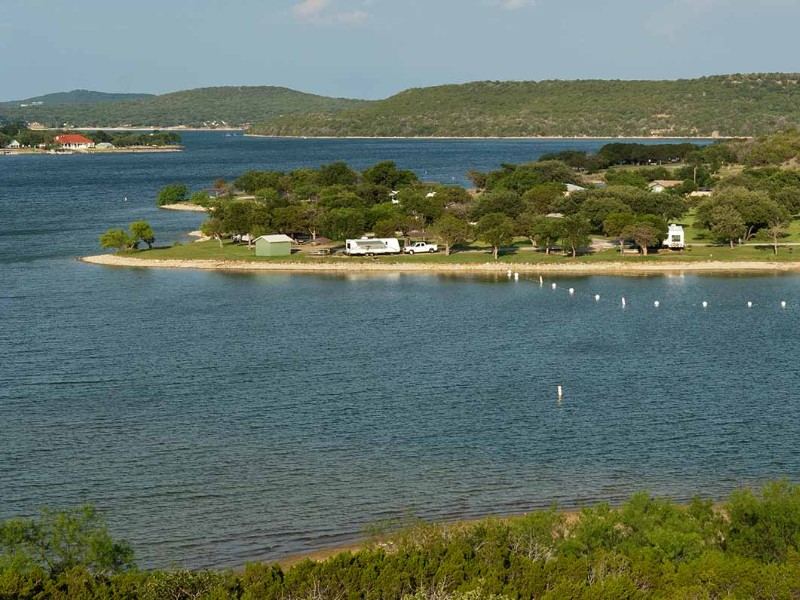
x: 371, y: 246
x: 676, y: 239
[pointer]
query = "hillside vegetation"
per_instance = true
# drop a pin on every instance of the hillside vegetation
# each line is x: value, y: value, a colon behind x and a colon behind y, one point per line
x: 214, y: 106
x: 75, y: 97
x: 728, y: 105
x: 647, y: 548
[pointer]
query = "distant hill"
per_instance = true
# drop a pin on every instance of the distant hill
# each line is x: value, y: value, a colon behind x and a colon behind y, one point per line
x: 727, y: 105
x: 200, y: 107
x: 74, y: 97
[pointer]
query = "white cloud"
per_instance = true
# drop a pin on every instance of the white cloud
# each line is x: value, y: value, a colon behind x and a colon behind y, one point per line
x: 310, y: 9
x: 322, y: 12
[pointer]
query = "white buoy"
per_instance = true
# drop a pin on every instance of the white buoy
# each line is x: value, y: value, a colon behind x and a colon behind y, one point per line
x: 541, y: 281
x: 783, y: 303
x: 554, y: 286
x: 623, y: 302
x: 571, y: 291
x: 597, y: 297
x: 560, y: 392
x: 509, y: 273
x: 749, y: 304
x: 705, y: 304
x: 516, y: 276
x: 656, y: 304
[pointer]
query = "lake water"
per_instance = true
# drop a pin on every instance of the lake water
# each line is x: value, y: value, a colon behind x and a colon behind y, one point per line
x: 218, y: 418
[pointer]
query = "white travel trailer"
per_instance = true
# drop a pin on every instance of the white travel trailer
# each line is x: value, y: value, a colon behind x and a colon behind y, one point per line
x: 676, y: 239
x: 371, y: 246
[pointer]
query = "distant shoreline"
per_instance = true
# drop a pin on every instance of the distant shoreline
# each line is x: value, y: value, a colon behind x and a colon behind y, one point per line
x: 488, y: 268
x: 84, y: 151
x: 478, y: 137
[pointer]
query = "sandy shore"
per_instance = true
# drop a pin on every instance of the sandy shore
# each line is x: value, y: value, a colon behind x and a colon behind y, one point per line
x: 600, y: 268
x: 183, y: 206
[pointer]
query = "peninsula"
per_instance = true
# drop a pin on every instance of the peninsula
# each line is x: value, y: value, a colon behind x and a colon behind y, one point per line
x: 728, y: 206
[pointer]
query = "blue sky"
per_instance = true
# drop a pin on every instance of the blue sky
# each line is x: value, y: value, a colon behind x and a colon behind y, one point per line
x: 374, y: 48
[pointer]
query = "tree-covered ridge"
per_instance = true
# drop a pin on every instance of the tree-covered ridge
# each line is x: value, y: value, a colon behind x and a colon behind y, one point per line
x: 76, y: 97
x: 749, y: 547
x: 212, y: 106
x: 727, y: 105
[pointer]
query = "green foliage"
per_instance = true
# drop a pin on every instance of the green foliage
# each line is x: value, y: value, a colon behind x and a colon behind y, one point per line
x: 213, y: 106
x: 731, y: 105
x: 542, y: 231
x: 497, y: 230
x: 59, y: 540
x: 764, y: 526
x: 522, y: 178
x: 645, y: 231
x: 142, y: 232
x: 387, y: 175
x: 450, y: 231
x: 575, y: 233
x: 116, y: 238
x: 129, y: 139
x: 755, y: 210
x: 172, y: 194
x: 646, y: 548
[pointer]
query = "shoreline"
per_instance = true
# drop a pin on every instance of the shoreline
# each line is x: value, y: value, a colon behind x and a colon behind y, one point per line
x: 598, y: 268
x: 488, y: 137
x: 184, y: 206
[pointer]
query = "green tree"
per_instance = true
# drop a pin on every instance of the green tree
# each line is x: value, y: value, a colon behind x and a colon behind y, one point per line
x: 755, y: 208
x: 643, y: 235
x: 59, y: 540
x: 726, y: 223
x: 615, y: 223
x: 387, y: 174
x: 343, y: 223
x: 777, y: 228
x: 251, y: 181
x: 336, y: 173
x: 172, y: 194
x: 201, y: 198
x: 450, y: 231
x: 116, y: 238
x: 142, y: 232
x: 497, y: 230
x: 213, y: 228
x: 575, y: 233
x: 543, y: 232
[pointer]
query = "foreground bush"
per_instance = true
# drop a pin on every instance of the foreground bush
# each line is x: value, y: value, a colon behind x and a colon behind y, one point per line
x: 647, y: 548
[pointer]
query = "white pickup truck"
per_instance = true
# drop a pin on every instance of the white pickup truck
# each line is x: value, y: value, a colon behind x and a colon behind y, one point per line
x: 418, y: 247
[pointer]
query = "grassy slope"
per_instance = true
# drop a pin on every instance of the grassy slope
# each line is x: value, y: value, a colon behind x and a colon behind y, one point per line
x: 736, y: 105
x: 234, y: 105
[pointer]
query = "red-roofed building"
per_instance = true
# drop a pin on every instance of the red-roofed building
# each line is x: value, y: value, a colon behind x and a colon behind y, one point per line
x: 74, y: 141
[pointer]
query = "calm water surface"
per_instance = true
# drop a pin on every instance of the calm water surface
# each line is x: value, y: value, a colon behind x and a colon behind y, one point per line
x: 218, y: 418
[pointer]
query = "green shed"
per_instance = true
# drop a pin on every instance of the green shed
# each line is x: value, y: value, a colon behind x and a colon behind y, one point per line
x: 274, y: 245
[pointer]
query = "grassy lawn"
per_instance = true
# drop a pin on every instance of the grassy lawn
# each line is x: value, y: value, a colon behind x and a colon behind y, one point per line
x: 211, y: 251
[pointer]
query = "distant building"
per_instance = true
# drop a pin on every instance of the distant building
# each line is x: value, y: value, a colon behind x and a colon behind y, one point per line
x: 14, y: 144
x: 660, y: 185
x: 274, y: 245
x: 104, y: 146
x: 73, y: 141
